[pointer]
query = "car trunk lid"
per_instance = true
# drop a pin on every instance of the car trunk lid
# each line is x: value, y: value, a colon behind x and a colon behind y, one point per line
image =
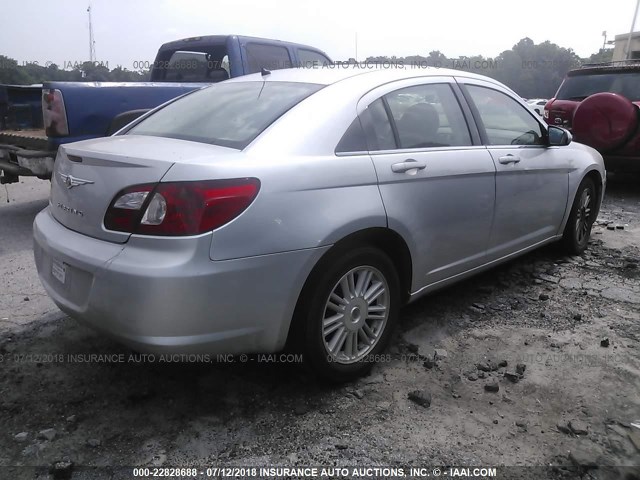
x: 88, y: 175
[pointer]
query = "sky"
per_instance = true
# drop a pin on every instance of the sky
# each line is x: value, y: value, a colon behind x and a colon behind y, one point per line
x: 127, y: 32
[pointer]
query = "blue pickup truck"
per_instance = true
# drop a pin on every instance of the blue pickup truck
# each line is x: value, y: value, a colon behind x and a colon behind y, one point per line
x: 35, y: 120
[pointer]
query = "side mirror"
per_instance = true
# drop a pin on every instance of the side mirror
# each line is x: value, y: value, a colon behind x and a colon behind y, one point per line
x: 559, y: 137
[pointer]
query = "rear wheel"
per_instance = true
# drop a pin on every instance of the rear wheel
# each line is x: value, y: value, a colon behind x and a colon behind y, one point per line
x: 583, y: 214
x: 348, y: 311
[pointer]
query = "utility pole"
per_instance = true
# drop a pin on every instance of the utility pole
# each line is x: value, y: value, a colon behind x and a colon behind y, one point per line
x: 92, y: 42
x: 633, y: 24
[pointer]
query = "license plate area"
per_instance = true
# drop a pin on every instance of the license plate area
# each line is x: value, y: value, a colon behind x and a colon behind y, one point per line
x: 59, y: 270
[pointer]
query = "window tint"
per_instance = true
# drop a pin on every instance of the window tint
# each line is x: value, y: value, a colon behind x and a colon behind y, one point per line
x: 271, y: 57
x: 428, y: 116
x: 227, y: 114
x: 353, y: 140
x: 506, y: 121
x: 309, y: 59
x: 378, y: 127
x: 206, y: 65
x: 579, y: 87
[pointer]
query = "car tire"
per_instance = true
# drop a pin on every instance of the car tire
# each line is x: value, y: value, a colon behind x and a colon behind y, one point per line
x: 357, y: 320
x: 583, y: 214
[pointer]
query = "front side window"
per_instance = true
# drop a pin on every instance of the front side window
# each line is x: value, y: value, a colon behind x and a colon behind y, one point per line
x: 506, y: 122
x: 428, y: 116
x: 271, y: 57
x: 227, y: 114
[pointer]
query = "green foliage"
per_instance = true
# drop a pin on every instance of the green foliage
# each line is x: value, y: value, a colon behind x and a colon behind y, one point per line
x: 15, y: 74
x: 604, y: 55
x: 532, y: 71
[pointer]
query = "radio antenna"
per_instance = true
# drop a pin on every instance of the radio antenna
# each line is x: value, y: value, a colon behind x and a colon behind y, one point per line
x: 92, y: 42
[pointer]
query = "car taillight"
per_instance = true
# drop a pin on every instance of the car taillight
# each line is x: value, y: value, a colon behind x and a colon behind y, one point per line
x: 180, y: 208
x: 54, y: 114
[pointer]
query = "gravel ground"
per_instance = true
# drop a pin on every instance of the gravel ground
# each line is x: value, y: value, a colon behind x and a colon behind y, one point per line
x: 535, y: 363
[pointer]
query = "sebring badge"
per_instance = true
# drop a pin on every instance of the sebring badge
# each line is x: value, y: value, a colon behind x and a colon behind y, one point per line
x: 70, y: 181
x: 73, y: 211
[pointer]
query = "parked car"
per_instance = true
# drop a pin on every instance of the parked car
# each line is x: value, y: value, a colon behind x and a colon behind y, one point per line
x: 599, y: 104
x: 81, y: 110
x: 303, y: 208
x: 537, y: 104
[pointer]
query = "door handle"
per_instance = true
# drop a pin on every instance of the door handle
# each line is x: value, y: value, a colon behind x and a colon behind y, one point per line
x: 508, y: 159
x: 408, y: 165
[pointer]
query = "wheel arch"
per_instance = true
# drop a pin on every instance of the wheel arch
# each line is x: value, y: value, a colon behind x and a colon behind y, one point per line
x: 392, y: 244
x: 385, y: 239
x: 593, y: 174
x: 599, y: 182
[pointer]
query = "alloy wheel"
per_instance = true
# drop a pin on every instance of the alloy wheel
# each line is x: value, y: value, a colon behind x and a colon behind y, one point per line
x: 355, y: 315
x: 583, y: 218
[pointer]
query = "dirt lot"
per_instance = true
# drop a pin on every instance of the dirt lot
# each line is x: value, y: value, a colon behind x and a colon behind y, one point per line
x: 572, y: 322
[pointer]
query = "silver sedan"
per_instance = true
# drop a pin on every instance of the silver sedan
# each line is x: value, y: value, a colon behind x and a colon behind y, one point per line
x: 303, y: 208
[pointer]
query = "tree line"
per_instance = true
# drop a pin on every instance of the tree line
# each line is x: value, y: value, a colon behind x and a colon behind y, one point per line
x: 14, y: 73
x: 531, y: 70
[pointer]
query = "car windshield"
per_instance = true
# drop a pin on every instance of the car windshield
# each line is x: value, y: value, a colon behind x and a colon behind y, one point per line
x: 580, y: 87
x: 225, y: 114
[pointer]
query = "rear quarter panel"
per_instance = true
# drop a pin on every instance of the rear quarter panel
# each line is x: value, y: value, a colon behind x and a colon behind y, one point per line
x: 303, y: 203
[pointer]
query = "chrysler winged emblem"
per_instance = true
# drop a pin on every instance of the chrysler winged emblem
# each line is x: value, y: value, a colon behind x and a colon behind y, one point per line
x: 70, y: 181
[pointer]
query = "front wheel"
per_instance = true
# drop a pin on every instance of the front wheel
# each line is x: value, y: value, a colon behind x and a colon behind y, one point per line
x: 583, y: 214
x: 346, y: 320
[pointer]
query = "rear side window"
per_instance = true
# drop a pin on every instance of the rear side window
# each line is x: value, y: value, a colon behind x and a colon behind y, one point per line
x: 353, y: 139
x: 378, y: 127
x: 271, y: 57
x: 310, y: 59
x: 227, y: 114
x: 428, y: 116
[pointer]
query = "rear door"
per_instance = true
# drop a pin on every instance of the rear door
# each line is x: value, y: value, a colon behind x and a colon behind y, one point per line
x: 531, y: 180
x: 436, y: 185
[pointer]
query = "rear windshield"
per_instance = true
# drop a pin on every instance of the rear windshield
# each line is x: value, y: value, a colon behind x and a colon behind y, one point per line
x: 226, y: 114
x: 580, y: 87
x: 210, y: 65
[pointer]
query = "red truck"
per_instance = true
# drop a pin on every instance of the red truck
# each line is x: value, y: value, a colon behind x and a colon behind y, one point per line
x: 600, y: 105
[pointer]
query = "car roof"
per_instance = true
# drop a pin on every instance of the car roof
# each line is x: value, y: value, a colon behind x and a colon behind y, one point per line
x: 366, y: 73
x: 624, y: 66
x: 206, y: 40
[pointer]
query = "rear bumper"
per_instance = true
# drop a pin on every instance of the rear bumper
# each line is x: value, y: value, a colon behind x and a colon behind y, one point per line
x: 16, y: 161
x: 173, y: 298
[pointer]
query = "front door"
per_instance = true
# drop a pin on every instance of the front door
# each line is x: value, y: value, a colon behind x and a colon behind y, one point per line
x: 532, y: 179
